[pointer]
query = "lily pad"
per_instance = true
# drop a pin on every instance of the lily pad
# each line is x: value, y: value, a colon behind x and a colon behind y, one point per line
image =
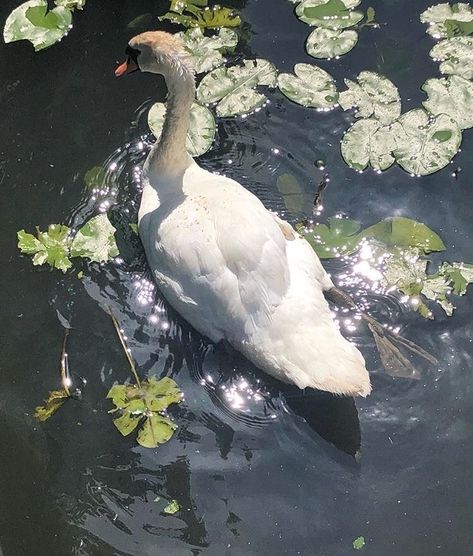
x: 145, y: 403
x: 215, y: 17
x: 339, y: 238
x: 201, y: 133
x: 368, y: 142
x: 206, y: 52
x: 234, y: 87
x: 329, y: 14
x: 327, y: 43
x: 71, y: 4
x: 156, y: 430
x: 291, y: 191
x: 425, y: 145
x: 95, y: 240
x: 373, y: 95
x: 359, y: 543
x: 51, y: 247
x: 405, y: 232
x: 33, y: 22
x: 456, y: 55
x: 311, y: 86
x: 452, y: 96
x: 447, y: 21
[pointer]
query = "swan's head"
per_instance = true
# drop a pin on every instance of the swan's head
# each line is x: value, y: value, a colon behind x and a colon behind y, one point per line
x: 155, y: 52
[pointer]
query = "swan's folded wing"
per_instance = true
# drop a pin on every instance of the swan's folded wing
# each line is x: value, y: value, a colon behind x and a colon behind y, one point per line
x: 254, y: 249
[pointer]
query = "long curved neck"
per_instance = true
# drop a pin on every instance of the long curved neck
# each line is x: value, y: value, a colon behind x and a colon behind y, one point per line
x: 169, y: 155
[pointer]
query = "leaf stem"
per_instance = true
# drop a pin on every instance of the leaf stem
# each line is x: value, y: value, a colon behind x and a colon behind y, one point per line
x: 65, y: 375
x: 125, y: 348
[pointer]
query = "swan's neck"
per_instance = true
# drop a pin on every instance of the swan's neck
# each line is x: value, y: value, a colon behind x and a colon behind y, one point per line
x: 169, y: 156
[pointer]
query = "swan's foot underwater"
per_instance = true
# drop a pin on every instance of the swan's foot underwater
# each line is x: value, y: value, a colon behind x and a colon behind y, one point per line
x: 395, y: 363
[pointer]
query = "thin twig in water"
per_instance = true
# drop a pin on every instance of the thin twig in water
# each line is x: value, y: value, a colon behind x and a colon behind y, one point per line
x: 65, y: 375
x: 125, y: 348
x: 317, y: 204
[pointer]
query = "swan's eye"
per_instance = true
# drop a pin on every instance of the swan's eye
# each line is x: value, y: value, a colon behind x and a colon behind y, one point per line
x: 132, y: 53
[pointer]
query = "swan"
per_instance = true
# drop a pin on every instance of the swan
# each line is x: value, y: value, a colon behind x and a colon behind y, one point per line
x: 233, y: 269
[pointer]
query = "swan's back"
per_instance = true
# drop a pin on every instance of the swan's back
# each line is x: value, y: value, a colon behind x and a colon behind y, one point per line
x: 237, y: 272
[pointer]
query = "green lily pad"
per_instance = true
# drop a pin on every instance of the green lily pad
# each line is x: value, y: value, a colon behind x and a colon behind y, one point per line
x: 425, y: 145
x: 373, y: 95
x: 310, y: 86
x: 368, y: 142
x: 95, y: 240
x: 33, y: 22
x: 338, y: 239
x: 452, y: 96
x: 215, y: 17
x: 202, y: 127
x: 447, y: 21
x: 291, y: 191
x: 206, y: 51
x: 455, y: 55
x: 156, y: 430
x: 145, y: 403
x: 329, y: 14
x: 51, y: 247
x: 96, y: 177
x: 327, y: 43
x: 234, y: 87
x: 405, y: 232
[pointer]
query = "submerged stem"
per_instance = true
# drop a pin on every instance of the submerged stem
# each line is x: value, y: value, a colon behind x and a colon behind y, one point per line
x: 65, y: 375
x: 125, y: 348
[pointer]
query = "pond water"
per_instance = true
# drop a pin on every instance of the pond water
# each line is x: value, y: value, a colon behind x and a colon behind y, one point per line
x: 257, y: 467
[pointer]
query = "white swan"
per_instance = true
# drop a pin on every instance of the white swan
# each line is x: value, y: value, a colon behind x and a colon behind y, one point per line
x: 231, y: 268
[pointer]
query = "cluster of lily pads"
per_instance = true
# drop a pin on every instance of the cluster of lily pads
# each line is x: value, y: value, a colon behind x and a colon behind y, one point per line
x: 197, y: 13
x: 334, y: 21
x: 393, y: 253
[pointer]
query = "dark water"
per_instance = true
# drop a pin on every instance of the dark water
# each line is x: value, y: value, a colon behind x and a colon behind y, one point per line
x: 251, y: 475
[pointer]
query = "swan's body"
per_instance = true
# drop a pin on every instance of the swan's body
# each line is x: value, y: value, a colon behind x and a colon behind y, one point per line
x: 231, y: 268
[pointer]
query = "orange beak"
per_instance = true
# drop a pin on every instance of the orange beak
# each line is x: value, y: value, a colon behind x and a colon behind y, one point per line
x: 128, y: 66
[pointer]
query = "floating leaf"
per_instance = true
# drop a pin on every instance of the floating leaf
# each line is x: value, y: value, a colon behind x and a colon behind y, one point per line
x: 51, y: 247
x: 146, y: 401
x: 127, y: 423
x: 71, y: 4
x: 206, y: 52
x: 329, y: 14
x: 156, y: 430
x: 451, y: 96
x: 311, y: 86
x: 424, y: 145
x: 234, y: 87
x: 446, y: 21
x: 359, y: 543
x: 201, y: 132
x: 32, y: 21
x: 368, y: 142
x: 53, y: 402
x: 172, y: 508
x: 405, y: 232
x: 373, y: 95
x: 95, y: 178
x: 291, y: 191
x: 327, y: 43
x: 338, y: 239
x: 95, y: 240
x: 370, y: 15
x: 208, y: 18
x: 456, y: 55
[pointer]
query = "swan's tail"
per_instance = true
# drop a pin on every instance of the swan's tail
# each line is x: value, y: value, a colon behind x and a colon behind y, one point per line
x: 387, y: 341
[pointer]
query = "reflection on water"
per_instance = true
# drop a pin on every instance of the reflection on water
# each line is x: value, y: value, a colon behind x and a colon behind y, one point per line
x: 258, y: 467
